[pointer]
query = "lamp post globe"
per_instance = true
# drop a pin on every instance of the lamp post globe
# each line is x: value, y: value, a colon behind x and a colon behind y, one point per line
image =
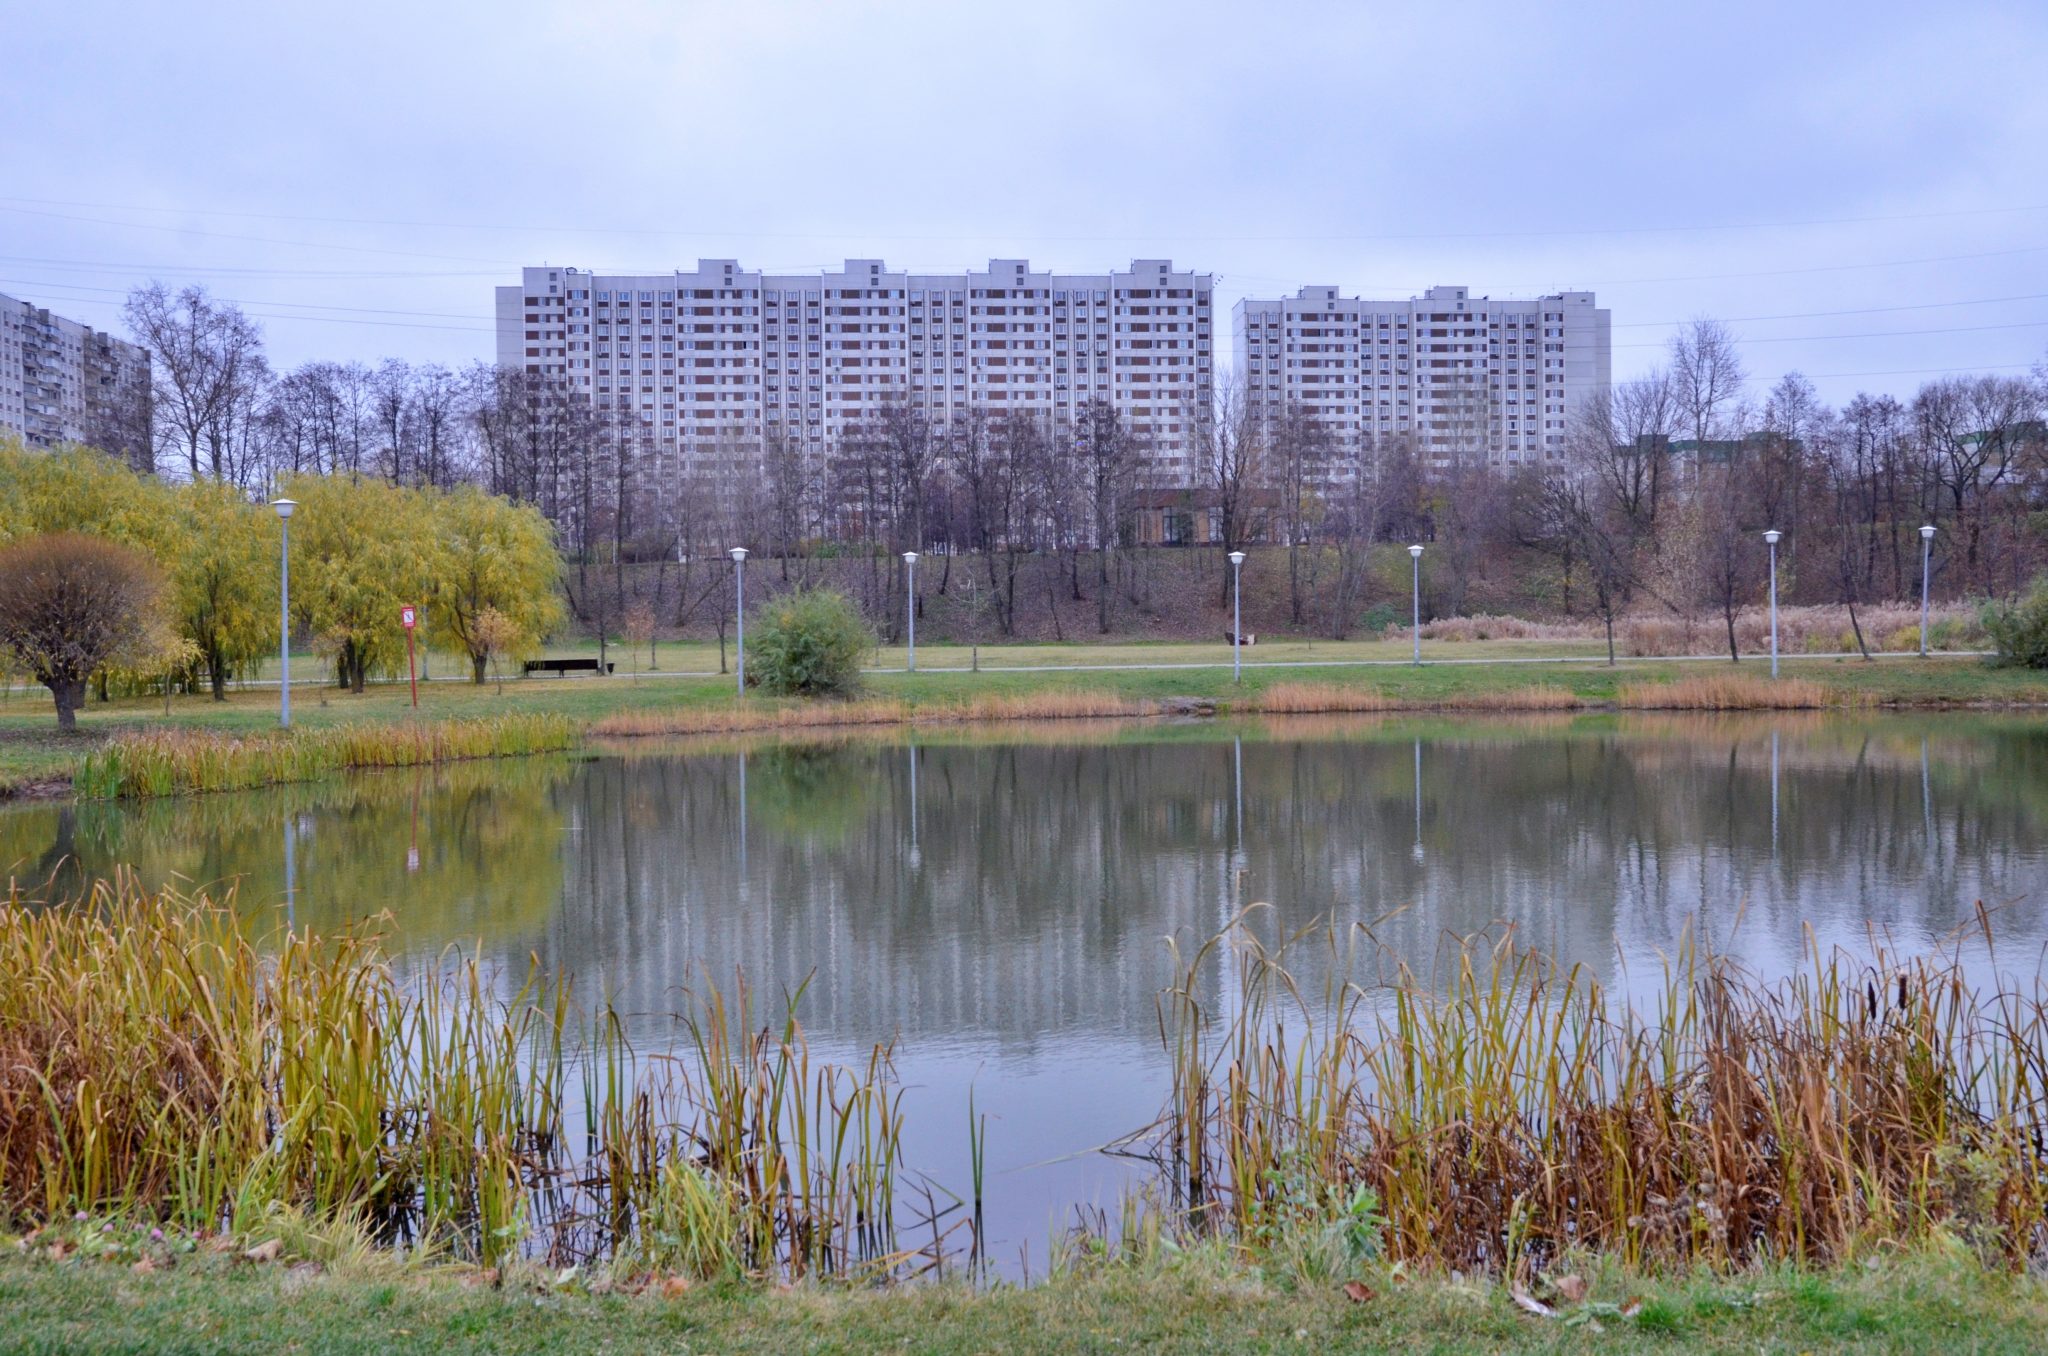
x: 284, y: 509
x: 1415, y: 599
x: 739, y: 583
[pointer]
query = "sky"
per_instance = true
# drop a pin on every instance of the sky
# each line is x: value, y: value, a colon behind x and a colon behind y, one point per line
x: 1856, y: 189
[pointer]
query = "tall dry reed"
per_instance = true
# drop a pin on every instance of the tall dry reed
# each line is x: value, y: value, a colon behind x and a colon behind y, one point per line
x: 155, y: 1061
x: 1504, y: 1111
x: 178, y: 762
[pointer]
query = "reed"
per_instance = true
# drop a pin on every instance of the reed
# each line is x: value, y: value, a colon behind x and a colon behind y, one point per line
x: 1503, y: 1113
x: 1730, y: 692
x: 180, y: 762
x: 751, y: 717
x: 1320, y: 698
x: 154, y: 1062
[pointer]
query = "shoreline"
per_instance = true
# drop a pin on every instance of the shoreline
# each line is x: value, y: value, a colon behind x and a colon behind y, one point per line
x: 46, y: 766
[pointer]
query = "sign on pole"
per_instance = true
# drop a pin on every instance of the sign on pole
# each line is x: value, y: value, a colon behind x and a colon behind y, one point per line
x: 409, y: 618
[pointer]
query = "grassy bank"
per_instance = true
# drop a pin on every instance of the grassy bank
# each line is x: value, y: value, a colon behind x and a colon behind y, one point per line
x: 207, y: 1302
x: 1328, y: 1113
x: 33, y: 756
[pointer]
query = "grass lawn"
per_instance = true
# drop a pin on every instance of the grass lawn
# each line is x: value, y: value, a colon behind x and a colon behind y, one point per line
x: 34, y: 756
x: 205, y: 1304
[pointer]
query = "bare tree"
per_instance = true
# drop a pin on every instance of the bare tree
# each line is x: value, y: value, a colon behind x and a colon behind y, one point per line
x: 1229, y: 448
x: 205, y: 357
x: 1706, y: 379
x: 1975, y: 433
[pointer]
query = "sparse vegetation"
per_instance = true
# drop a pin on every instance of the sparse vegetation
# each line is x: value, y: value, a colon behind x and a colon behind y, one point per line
x: 179, y: 762
x: 2019, y: 629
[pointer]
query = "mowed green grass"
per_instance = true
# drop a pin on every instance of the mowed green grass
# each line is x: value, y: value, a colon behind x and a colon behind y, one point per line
x: 33, y: 754
x: 1914, y: 1305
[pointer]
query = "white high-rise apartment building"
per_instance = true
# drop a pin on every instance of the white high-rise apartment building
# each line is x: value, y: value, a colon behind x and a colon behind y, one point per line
x: 716, y: 362
x: 61, y: 381
x: 1453, y: 373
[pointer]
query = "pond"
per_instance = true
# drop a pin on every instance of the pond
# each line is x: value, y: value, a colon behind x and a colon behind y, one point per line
x: 998, y: 902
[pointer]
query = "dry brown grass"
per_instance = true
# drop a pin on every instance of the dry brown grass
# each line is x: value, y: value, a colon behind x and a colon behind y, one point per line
x: 1328, y: 698
x: 1505, y: 1113
x: 1730, y: 692
x: 751, y: 718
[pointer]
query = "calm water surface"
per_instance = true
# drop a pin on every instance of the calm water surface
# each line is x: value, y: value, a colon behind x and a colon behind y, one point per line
x: 998, y: 903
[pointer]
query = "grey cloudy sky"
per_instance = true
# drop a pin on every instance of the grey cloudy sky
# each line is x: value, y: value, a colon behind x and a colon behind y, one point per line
x: 1857, y: 188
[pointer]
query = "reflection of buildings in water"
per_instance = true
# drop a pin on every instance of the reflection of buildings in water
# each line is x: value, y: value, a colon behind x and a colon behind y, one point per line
x: 1024, y: 892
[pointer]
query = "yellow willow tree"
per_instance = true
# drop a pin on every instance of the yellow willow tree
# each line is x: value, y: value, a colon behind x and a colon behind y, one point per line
x: 361, y: 549
x: 497, y: 590
x: 223, y: 593
x: 78, y: 489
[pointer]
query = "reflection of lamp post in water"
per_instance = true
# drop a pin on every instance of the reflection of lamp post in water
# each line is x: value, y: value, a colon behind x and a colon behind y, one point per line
x: 1418, y: 800
x: 291, y: 873
x: 743, y: 824
x: 916, y: 857
x: 1774, y: 795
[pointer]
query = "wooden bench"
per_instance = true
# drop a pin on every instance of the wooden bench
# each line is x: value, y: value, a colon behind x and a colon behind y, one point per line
x: 1247, y: 639
x: 562, y: 668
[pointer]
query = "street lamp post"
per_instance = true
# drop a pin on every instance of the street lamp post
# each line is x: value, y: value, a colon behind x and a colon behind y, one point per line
x: 910, y: 608
x: 1237, y: 617
x: 739, y: 584
x: 284, y: 509
x: 1771, y: 539
x: 1926, y: 556
x: 1415, y: 557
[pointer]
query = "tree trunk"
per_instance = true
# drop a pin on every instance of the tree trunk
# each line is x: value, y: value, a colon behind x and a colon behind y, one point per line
x: 477, y: 662
x: 69, y: 694
x: 217, y: 670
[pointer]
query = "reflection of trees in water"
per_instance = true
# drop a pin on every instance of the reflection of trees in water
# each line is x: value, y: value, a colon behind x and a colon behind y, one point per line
x: 487, y: 837
x: 1029, y: 892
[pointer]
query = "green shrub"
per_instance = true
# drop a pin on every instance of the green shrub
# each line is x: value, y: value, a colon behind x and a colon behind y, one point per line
x: 1379, y: 618
x: 2019, y: 629
x: 809, y: 644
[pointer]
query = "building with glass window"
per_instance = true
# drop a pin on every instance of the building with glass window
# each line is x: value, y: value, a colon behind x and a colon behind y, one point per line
x: 1451, y: 374
x: 62, y: 381
x: 712, y: 364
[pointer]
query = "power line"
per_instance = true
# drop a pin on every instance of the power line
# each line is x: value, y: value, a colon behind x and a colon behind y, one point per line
x: 257, y: 239
x: 1873, y: 334
x: 1553, y: 232
x: 1813, y: 315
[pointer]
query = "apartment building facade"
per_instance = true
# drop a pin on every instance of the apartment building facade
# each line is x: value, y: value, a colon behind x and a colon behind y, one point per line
x: 713, y: 363
x: 1452, y: 374
x: 63, y: 381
